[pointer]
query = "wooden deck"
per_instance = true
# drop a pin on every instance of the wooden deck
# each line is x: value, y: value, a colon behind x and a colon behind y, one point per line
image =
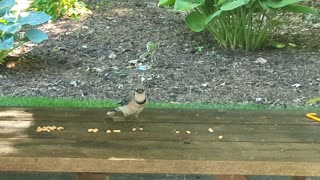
x: 252, y: 143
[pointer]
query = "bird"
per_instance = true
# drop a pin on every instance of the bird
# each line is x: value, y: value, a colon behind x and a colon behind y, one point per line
x: 133, y: 104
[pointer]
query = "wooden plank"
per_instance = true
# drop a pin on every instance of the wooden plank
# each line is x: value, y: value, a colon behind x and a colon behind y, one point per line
x: 158, y: 166
x: 159, y: 115
x: 299, y: 153
x: 230, y: 177
x: 92, y: 176
x: 298, y: 178
x: 165, y: 131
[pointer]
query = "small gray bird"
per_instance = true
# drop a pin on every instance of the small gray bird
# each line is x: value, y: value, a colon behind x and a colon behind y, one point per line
x: 133, y: 104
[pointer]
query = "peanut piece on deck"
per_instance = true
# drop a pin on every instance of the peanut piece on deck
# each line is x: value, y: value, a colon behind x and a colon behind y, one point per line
x: 95, y: 130
x: 108, y: 131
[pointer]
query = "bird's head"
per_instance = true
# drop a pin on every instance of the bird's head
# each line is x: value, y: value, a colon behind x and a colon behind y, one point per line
x: 139, y: 90
x: 140, y: 94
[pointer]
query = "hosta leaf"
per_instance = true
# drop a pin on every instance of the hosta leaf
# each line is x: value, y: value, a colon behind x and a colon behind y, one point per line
x: 6, y: 43
x: 278, y: 3
x: 36, y: 35
x: 10, y: 27
x: 195, y: 21
x: 296, y: 8
x: 233, y: 5
x: 5, y: 6
x: 10, y: 17
x: 166, y: 2
x: 223, y: 1
x: 33, y: 18
x: 312, y: 101
x: 212, y: 16
x: 185, y: 5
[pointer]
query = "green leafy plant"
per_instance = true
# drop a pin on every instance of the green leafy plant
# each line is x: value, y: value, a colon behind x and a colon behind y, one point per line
x: 243, y: 24
x: 11, y: 23
x: 313, y: 101
x: 152, y: 49
x: 60, y: 8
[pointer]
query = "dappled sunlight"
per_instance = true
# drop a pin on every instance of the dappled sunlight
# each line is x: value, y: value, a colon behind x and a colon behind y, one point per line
x: 13, y: 124
x: 16, y: 114
x: 55, y: 29
x: 11, y: 65
x: 121, y: 11
x: 22, y: 5
x: 17, y: 127
x: 7, y: 147
x: 123, y: 159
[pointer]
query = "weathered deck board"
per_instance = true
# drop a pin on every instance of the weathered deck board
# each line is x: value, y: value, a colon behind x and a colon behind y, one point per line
x: 167, y: 132
x: 160, y: 115
x: 162, y: 150
x: 253, y: 143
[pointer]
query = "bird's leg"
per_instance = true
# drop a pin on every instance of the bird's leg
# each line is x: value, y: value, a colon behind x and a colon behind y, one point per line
x: 125, y: 124
x: 137, y: 117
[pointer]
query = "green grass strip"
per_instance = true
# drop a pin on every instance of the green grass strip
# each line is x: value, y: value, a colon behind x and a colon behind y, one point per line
x: 92, y: 103
x: 53, y: 102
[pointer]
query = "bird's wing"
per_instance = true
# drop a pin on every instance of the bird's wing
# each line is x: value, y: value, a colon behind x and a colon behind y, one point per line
x: 126, y: 100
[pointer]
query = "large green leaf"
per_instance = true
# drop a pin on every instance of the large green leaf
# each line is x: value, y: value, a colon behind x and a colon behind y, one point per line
x: 296, y: 8
x: 195, y: 21
x: 223, y: 1
x: 5, y: 6
x: 233, y: 4
x: 212, y: 16
x: 36, y: 35
x: 10, y: 17
x: 166, y: 2
x: 264, y: 6
x: 6, y: 43
x: 33, y: 18
x: 278, y: 3
x: 10, y: 27
x: 312, y: 101
x: 186, y: 5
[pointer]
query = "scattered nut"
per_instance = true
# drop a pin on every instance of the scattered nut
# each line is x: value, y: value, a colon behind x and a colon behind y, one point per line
x: 210, y: 130
x: 134, y: 129
x: 60, y: 128
x: 177, y: 132
x: 39, y: 129
x: 188, y: 132
x: 220, y: 137
x: 116, y: 130
x: 108, y: 131
x: 95, y: 130
x: 48, y: 128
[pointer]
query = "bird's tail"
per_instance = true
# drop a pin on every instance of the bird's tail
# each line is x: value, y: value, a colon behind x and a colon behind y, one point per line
x: 114, y: 111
